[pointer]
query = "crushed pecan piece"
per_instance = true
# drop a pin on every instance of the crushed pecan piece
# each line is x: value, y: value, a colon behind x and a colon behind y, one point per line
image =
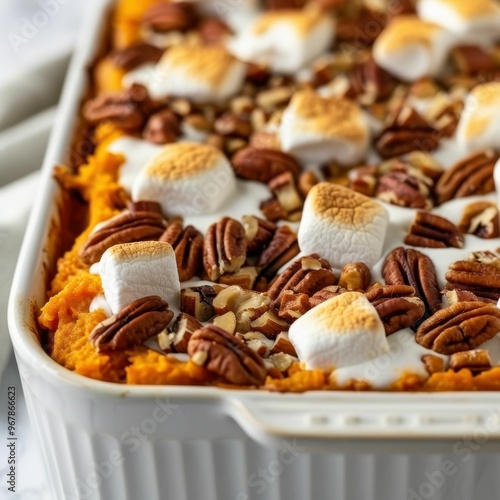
x: 407, y: 131
x: 293, y: 306
x: 306, y: 275
x: 176, y: 340
x: 233, y: 125
x: 135, y: 323
x: 188, y: 247
x: 281, y: 249
x: 284, y: 188
x: 269, y: 324
x: 282, y: 344
x: 326, y: 293
x: 162, y: 128
x: 355, y: 276
x: 413, y: 268
x: 197, y: 301
x: 433, y: 231
x: 489, y: 257
x: 259, y: 233
x: 481, y: 279
x: 460, y: 327
x: 245, y: 277
x: 397, y: 306
x: 433, y: 364
x: 480, y: 218
x: 126, y: 227
x: 470, y: 176
x: 227, y: 356
x: 476, y: 361
x: 262, y: 165
x: 226, y: 321
x: 224, y: 248
x: 273, y: 210
x: 457, y: 295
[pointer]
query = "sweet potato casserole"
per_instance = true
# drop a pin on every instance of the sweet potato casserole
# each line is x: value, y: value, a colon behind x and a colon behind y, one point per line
x: 286, y: 195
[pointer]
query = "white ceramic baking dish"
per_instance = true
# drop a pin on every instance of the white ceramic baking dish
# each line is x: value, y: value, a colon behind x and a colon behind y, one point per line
x: 107, y: 441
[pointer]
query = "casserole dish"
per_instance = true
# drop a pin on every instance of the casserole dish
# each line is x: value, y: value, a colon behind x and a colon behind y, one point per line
x: 103, y: 440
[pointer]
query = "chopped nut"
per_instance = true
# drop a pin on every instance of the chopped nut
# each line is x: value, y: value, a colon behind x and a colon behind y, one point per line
x: 480, y: 218
x: 282, y: 360
x: 272, y: 98
x: 355, y: 277
x: 181, y: 331
x: 162, y: 128
x: 273, y: 210
x: 232, y: 125
x: 227, y: 322
x: 433, y: 364
x: 282, y: 344
x: 306, y: 182
x: 476, y: 361
x: 283, y: 187
x: 293, y: 306
x: 244, y: 277
x: 269, y: 324
x: 197, y: 301
x: 259, y: 233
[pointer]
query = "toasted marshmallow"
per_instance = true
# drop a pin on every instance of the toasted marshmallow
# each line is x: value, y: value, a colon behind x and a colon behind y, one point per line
x: 186, y: 178
x: 284, y: 40
x: 410, y: 48
x: 342, y: 331
x: 200, y: 73
x: 342, y: 226
x: 318, y: 129
x: 131, y: 271
x: 471, y: 20
x: 479, y: 125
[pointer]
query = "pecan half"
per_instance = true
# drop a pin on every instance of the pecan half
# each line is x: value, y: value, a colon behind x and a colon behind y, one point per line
x: 408, y: 131
x: 397, y: 306
x: 135, y: 323
x: 262, y: 165
x: 480, y: 218
x: 481, y: 279
x: 188, y: 247
x: 224, y: 248
x: 460, y: 327
x: 163, y: 17
x: 126, y: 227
x: 227, y: 356
x: 470, y: 176
x: 306, y: 275
x: 128, y: 109
x: 433, y: 231
x: 136, y: 55
x: 411, y: 267
x: 162, y: 128
x: 281, y: 249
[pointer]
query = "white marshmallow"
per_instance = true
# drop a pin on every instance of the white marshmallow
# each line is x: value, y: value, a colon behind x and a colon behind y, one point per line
x: 186, y: 178
x: 471, y: 20
x: 479, y: 125
x: 284, y: 40
x: 342, y: 226
x: 319, y: 129
x: 131, y: 271
x: 136, y: 153
x: 410, y: 48
x: 342, y: 331
x: 200, y: 73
